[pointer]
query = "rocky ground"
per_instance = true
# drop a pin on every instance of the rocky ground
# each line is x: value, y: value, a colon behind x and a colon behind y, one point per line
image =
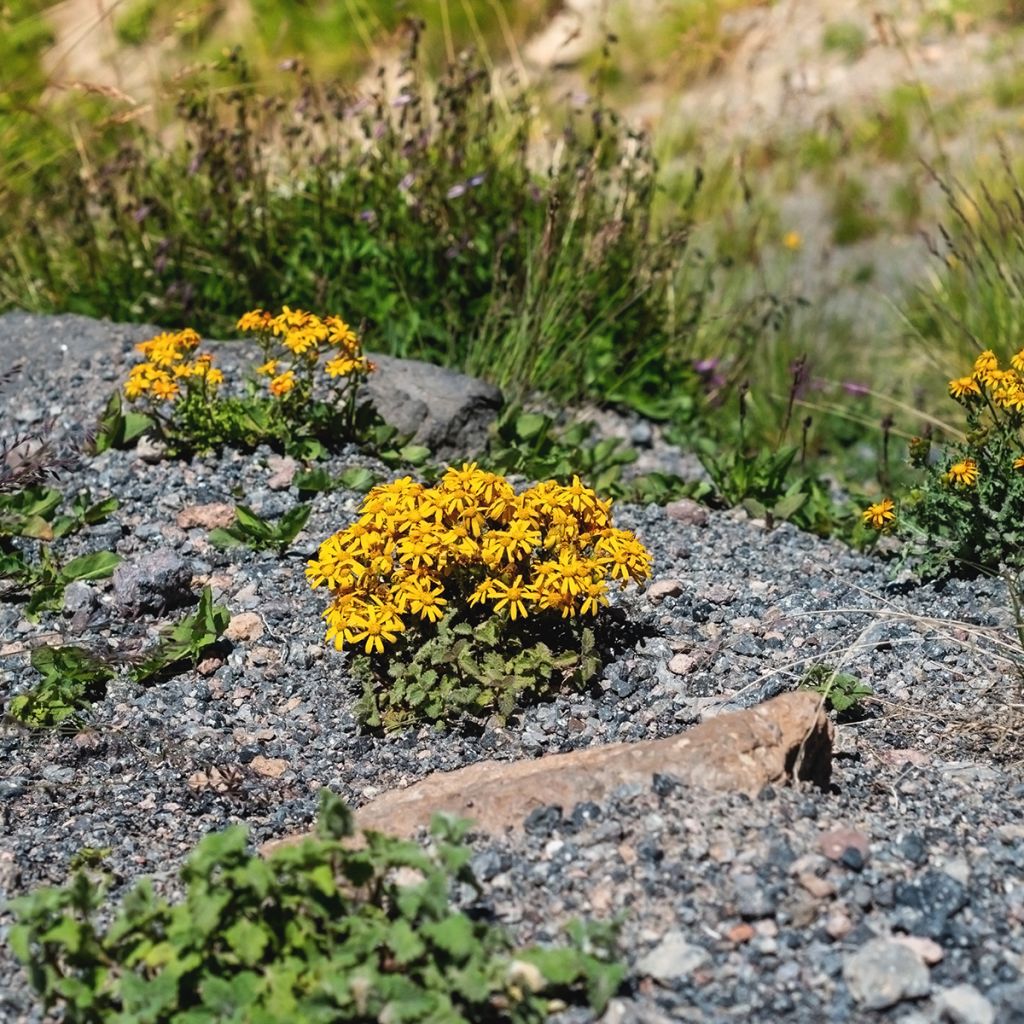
x: 896, y: 894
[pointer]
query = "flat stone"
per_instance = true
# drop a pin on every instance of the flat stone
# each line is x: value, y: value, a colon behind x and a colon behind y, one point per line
x: 282, y: 472
x: 244, y: 626
x: 964, y: 1004
x: 682, y: 664
x: 673, y: 959
x: 834, y: 844
x: 206, y: 517
x: 661, y: 589
x: 448, y: 412
x: 788, y: 736
x: 883, y: 973
x: 269, y: 767
x: 687, y: 511
x: 154, y: 582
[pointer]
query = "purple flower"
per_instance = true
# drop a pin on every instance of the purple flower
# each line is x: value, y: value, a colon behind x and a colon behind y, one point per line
x: 852, y: 387
x: 406, y: 183
x: 455, y: 191
x: 706, y: 366
x: 477, y: 180
x: 141, y: 213
x: 367, y: 216
x: 402, y: 101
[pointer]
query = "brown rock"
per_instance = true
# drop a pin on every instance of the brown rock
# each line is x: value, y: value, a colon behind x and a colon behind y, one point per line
x: 835, y: 843
x: 838, y: 925
x: 282, y: 472
x: 688, y: 512
x: 928, y: 950
x: 270, y: 767
x: 661, y: 589
x: 740, y: 933
x: 817, y: 887
x: 244, y: 626
x: 682, y: 664
x: 789, y: 736
x: 206, y: 517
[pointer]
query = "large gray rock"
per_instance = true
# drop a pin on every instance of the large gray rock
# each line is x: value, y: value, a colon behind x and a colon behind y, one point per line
x: 445, y: 411
x: 66, y: 339
x: 883, y: 973
x: 152, y: 583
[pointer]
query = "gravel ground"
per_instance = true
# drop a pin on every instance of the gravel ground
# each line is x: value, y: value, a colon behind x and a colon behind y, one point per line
x: 896, y: 896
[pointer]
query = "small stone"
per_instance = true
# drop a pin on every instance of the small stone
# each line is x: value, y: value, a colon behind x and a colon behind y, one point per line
x: 964, y: 1004
x: 718, y: 593
x: 154, y: 582
x: 244, y: 626
x: 682, y: 664
x: 740, y: 933
x: 928, y: 950
x: 282, y: 472
x: 206, y: 517
x: 78, y: 597
x: 883, y: 973
x: 673, y: 959
x: 821, y: 888
x: 834, y: 844
x: 208, y: 666
x: 269, y: 767
x: 660, y: 589
x: 687, y: 511
x: 838, y: 925
x: 149, y: 450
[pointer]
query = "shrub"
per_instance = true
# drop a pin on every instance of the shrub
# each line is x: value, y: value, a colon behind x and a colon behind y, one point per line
x: 435, y: 584
x: 316, y: 932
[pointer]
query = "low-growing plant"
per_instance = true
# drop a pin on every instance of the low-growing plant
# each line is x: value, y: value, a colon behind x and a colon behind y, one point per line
x: 73, y: 678
x: 967, y: 514
x: 43, y: 583
x: 253, y: 531
x: 185, y: 642
x: 449, y: 590
x: 317, y: 931
x: 319, y: 480
x: 294, y: 399
x: 842, y: 691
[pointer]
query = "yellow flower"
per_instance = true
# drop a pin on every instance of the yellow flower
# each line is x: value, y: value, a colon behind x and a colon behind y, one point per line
x: 339, y: 333
x: 421, y: 597
x: 880, y: 515
x: 214, y: 377
x: 1017, y: 361
x: 1018, y: 463
x: 281, y: 385
x: 986, y: 367
x: 304, y: 339
x: 376, y: 623
x: 164, y: 388
x: 512, y: 595
x: 254, y: 320
x: 343, y: 366
x: 269, y: 368
x: 135, y: 386
x: 792, y: 240
x: 964, y: 387
x: 595, y: 594
x: 963, y: 474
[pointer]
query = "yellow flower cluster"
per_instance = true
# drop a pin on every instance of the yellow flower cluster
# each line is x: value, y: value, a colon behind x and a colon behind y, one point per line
x: 168, y: 362
x: 550, y: 548
x: 880, y: 515
x: 304, y: 337
x: 1004, y: 388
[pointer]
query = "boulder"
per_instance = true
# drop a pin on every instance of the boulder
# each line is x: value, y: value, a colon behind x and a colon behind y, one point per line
x: 443, y: 410
x: 786, y: 738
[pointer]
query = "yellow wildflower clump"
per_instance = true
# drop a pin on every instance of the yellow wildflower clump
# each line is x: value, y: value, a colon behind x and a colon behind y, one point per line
x: 1000, y: 389
x: 881, y: 515
x: 293, y: 343
x: 471, y: 538
x: 168, y: 368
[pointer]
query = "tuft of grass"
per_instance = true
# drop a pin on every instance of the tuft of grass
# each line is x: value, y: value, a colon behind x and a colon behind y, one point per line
x: 847, y: 38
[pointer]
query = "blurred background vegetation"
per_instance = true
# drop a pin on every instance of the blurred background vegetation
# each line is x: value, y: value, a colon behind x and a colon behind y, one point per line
x: 807, y: 209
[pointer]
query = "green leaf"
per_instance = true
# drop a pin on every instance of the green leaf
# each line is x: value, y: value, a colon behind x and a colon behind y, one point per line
x: 96, y: 566
x: 455, y: 935
x: 786, y: 507
x: 414, y: 454
x: 531, y: 425
x: 225, y: 537
x: 357, y: 479
x: 247, y: 940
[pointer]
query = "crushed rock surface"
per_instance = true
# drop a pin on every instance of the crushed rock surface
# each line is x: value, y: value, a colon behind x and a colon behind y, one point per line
x: 898, y: 895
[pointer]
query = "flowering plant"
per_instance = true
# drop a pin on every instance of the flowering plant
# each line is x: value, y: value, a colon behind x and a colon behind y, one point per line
x: 461, y: 595
x: 967, y: 515
x: 304, y: 389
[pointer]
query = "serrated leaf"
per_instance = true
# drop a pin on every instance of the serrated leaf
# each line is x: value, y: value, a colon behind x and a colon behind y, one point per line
x: 455, y: 935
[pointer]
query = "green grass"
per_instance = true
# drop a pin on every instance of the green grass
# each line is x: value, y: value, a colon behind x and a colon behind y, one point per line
x: 847, y: 38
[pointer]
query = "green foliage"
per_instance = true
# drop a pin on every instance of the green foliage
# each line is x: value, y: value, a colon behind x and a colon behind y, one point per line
x: 72, y: 679
x: 44, y: 581
x: 318, y: 481
x: 842, y: 690
x: 847, y: 38
x: 471, y: 666
x: 260, y: 534
x: 854, y: 212
x: 529, y: 444
x: 431, y: 216
x: 316, y: 932
x: 185, y: 642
